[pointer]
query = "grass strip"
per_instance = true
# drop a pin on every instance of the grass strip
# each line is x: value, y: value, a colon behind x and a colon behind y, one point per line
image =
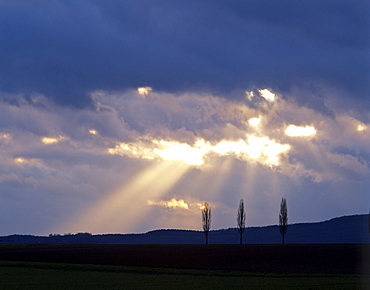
x: 161, y: 271
x: 41, y: 275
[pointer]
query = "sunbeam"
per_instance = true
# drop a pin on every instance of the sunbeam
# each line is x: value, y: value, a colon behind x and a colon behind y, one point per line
x: 125, y: 207
x: 207, y: 184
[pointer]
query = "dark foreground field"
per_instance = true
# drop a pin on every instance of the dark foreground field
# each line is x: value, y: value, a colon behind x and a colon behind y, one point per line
x: 332, y: 266
x: 317, y: 258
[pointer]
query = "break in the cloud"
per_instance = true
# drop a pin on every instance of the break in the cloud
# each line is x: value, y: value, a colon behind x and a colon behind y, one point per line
x: 67, y: 49
x: 115, y: 115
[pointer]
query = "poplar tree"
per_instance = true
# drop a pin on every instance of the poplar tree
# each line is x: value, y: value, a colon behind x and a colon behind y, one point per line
x: 283, y: 218
x: 241, y: 217
x: 206, y: 219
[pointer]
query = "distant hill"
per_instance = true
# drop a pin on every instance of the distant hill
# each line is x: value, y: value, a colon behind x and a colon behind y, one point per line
x: 346, y: 229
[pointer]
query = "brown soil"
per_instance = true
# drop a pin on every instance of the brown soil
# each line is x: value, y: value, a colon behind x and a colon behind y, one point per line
x: 302, y: 258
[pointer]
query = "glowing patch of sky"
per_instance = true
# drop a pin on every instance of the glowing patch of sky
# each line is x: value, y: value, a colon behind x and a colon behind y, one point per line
x: 20, y: 160
x: 173, y: 203
x: 297, y: 131
x: 144, y: 91
x: 267, y: 95
x: 180, y: 151
x: 254, y: 122
x: 47, y: 140
x: 361, y: 127
x: 93, y: 132
x: 51, y: 140
x: 23, y: 160
x: 201, y: 206
x: 262, y: 148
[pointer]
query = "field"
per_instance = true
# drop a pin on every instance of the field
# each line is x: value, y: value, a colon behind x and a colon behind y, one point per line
x: 317, y: 266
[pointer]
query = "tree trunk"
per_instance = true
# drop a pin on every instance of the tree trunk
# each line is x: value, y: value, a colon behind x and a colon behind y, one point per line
x: 283, y: 240
x: 207, y: 238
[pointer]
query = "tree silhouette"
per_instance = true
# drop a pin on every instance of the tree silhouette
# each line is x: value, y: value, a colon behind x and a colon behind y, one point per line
x: 241, y: 217
x: 369, y: 221
x: 206, y: 220
x: 283, y: 218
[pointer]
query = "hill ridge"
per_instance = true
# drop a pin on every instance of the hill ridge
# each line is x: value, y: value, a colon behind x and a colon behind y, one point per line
x: 344, y: 229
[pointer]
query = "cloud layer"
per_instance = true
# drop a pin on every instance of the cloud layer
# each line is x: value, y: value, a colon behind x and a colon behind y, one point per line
x: 65, y: 50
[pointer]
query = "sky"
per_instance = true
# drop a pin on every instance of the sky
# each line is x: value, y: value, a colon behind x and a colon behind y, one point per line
x: 127, y: 116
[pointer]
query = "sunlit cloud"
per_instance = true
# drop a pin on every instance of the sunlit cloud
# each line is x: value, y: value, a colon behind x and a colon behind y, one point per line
x: 162, y: 149
x: 249, y: 95
x: 48, y: 140
x: 254, y: 122
x: 179, y: 151
x: 201, y: 206
x: 267, y: 95
x: 361, y: 127
x: 20, y: 160
x: 144, y: 91
x: 24, y: 161
x: 51, y: 140
x: 93, y: 132
x: 297, y: 131
x: 262, y: 148
x: 173, y: 203
x: 174, y: 214
x: 268, y: 148
x: 4, y: 136
x: 138, y: 150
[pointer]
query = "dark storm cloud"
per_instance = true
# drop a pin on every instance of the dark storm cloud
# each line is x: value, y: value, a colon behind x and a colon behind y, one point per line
x: 66, y: 49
